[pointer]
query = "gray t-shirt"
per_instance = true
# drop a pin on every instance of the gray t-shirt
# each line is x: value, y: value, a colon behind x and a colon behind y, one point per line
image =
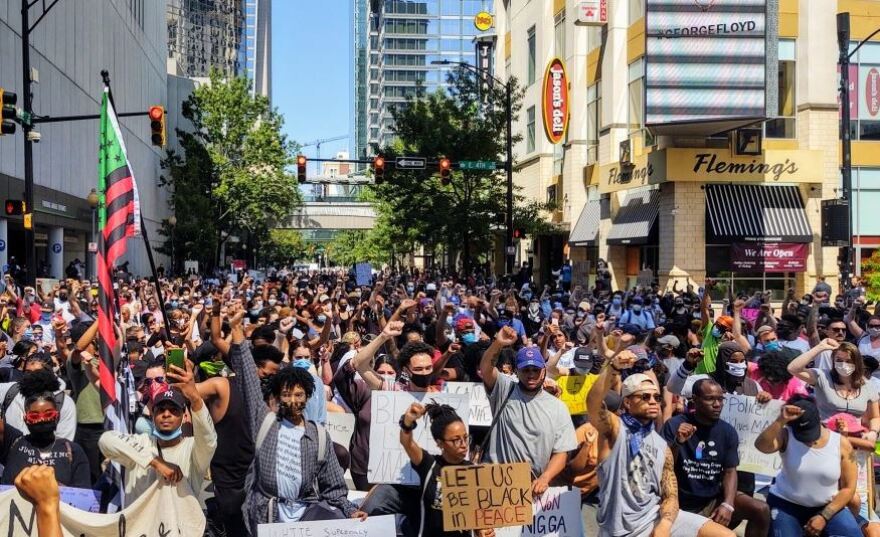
x: 530, y: 429
x: 830, y: 402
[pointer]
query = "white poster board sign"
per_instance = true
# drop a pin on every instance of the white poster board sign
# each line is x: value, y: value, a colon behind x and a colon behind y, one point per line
x: 749, y: 418
x: 363, y: 274
x: 374, y: 526
x: 481, y: 412
x: 388, y: 461
x: 557, y: 514
x: 191, y: 266
x: 341, y: 427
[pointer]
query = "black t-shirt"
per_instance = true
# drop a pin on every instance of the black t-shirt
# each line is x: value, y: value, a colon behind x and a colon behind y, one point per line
x: 701, y: 461
x: 432, y: 497
x: 68, y: 459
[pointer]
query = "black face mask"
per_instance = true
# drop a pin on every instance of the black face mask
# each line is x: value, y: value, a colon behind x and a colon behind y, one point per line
x: 62, y: 297
x: 421, y: 381
x: 287, y: 410
x: 43, y: 431
x: 265, y: 386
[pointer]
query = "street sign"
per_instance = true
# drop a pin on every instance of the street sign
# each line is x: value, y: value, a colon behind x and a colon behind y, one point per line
x: 410, y: 163
x: 93, y: 247
x: 476, y: 165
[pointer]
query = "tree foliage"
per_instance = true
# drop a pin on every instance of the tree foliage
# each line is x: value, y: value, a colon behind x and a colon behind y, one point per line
x: 871, y: 276
x: 283, y: 246
x: 464, y: 215
x: 232, y: 178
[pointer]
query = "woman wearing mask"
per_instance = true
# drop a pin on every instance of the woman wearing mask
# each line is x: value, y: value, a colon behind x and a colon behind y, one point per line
x: 451, y: 435
x: 41, y: 417
x: 818, y: 475
x: 844, y: 388
x: 730, y: 372
x: 868, y: 341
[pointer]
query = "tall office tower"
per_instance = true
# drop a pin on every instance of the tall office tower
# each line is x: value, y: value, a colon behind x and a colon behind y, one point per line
x: 205, y: 34
x: 359, y: 76
x: 406, y: 37
x: 258, y: 45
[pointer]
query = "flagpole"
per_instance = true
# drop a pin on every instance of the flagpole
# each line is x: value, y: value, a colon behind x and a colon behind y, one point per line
x: 105, y: 75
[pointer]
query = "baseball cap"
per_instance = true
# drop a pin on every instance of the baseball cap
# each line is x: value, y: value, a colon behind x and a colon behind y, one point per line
x: 584, y: 305
x: 670, y: 340
x: 635, y: 383
x: 726, y: 321
x: 583, y: 358
x: 529, y: 357
x: 169, y: 394
x: 463, y: 322
x: 631, y: 329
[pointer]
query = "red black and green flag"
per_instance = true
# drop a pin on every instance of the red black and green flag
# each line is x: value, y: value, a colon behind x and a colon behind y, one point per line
x: 118, y: 218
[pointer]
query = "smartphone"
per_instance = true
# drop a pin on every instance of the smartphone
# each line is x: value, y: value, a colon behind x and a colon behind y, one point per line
x: 174, y: 357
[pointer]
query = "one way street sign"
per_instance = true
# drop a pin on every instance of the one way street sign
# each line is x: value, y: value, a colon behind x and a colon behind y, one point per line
x: 410, y: 163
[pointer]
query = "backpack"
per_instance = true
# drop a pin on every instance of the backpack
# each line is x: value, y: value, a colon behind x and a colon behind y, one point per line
x: 266, y: 426
x: 14, y: 391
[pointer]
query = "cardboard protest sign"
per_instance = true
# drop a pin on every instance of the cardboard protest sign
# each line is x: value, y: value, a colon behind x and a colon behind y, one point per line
x: 486, y: 496
x: 388, y: 462
x: 557, y: 513
x: 749, y: 418
x: 341, y: 427
x: 374, y: 526
x: 161, y: 510
x: 481, y: 412
x: 574, y: 392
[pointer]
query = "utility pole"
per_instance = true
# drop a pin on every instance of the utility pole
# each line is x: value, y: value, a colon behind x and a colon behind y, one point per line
x: 26, y: 127
x: 509, y: 251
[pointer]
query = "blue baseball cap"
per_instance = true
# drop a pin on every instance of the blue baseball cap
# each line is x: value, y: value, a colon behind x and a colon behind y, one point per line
x: 529, y: 357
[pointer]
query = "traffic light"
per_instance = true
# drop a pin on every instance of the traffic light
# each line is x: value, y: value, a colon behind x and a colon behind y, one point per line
x: 157, y: 125
x: 7, y: 124
x: 445, y: 166
x: 15, y: 207
x: 301, y: 168
x: 519, y: 233
x: 378, y: 169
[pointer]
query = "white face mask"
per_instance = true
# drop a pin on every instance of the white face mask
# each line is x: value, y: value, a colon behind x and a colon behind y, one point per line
x: 736, y: 370
x: 844, y: 369
x: 874, y: 332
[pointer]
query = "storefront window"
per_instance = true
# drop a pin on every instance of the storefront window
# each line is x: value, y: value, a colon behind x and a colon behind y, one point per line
x: 637, y: 102
x: 783, y: 126
x: 718, y: 264
x: 530, y: 130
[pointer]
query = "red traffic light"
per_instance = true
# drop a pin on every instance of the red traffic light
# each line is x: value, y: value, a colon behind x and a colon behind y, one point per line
x: 301, y: 162
x: 15, y: 207
x: 519, y: 233
x: 445, y: 164
x: 157, y: 125
x: 378, y: 169
x: 156, y: 113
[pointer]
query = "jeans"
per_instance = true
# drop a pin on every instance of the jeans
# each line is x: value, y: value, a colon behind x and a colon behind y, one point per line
x: 788, y: 520
x: 402, y: 500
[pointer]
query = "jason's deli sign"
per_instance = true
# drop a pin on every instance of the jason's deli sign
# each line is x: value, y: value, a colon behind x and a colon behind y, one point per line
x: 555, y: 101
x: 768, y: 257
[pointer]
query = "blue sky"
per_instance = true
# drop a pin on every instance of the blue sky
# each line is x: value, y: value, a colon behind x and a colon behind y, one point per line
x: 310, y: 70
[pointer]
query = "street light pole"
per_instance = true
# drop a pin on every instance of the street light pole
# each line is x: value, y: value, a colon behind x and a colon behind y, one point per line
x: 30, y: 247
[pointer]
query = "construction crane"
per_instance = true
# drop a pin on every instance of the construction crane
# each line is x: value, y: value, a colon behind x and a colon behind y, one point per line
x: 317, y: 143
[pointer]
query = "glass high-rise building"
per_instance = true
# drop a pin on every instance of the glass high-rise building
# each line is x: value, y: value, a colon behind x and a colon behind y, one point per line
x: 403, y: 38
x: 257, y: 45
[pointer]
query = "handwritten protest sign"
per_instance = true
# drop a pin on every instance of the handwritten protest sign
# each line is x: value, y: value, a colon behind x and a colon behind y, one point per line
x: 749, y: 418
x: 486, y: 496
x: 341, y: 427
x: 751, y: 315
x: 363, y: 274
x: 574, y: 392
x: 481, y: 412
x: 160, y: 510
x: 390, y: 464
x: 84, y: 499
x: 865, y: 481
x: 374, y: 526
x: 557, y: 513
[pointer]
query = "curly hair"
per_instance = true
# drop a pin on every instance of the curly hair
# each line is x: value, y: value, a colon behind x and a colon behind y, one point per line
x: 290, y: 377
x: 39, y: 385
x: 442, y: 416
x: 411, y: 349
x: 773, y: 366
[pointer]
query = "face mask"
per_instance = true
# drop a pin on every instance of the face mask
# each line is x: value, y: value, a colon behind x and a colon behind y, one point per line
x: 322, y: 319
x: 844, y: 369
x: 173, y: 435
x: 289, y: 410
x: 388, y: 381
x: 615, y: 301
x: 43, y: 429
x: 421, y: 381
x: 28, y: 334
x: 410, y: 288
x: 62, y: 297
x: 637, y: 309
x: 581, y: 314
x: 265, y: 385
x: 716, y: 332
x: 771, y: 346
x: 533, y: 307
x: 736, y: 370
x: 272, y: 301
x: 469, y: 338
x: 46, y: 317
x: 874, y: 332
x: 174, y: 304
x: 449, y: 320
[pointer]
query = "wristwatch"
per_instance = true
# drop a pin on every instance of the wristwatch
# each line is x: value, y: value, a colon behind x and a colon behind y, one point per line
x: 406, y: 427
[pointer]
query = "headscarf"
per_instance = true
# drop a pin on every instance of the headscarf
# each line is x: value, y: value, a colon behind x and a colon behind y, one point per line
x: 725, y: 351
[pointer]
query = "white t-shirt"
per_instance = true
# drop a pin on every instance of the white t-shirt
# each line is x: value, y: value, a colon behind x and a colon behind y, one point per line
x: 798, y: 344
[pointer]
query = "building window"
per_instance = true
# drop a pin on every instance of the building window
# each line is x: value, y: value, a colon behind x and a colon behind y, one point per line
x: 783, y: 125
x: 530, y: 130
x: 593, y: 100
x: 718, y: 267
x: 636, y: 96
x: 636, y: 10
x: 559, y: 34
x: 865, y: 64
x: 531, y: 56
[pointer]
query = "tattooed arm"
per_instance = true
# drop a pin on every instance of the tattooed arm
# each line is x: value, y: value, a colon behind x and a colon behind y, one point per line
x: 668, y: 498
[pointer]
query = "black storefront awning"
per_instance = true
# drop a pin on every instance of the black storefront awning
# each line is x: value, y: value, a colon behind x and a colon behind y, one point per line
x: 586, y: 230
x: 755, y: 213
x: 636, y: 218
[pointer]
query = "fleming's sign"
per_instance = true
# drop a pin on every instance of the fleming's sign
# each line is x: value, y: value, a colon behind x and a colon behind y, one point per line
x: 555, y: 101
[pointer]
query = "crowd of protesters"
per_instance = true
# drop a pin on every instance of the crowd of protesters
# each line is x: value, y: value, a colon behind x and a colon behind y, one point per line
x: 269, y: 356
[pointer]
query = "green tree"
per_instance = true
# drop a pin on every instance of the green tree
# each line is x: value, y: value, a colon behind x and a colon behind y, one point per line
x: 871, y: 276
x: 462, y: 216
x: 232, y: 178
x: 283, y: 246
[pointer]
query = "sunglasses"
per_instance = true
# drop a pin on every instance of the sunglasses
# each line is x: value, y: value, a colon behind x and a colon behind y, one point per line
x: 150, y: 381
x: 39, y: 417
x: 842, y: 329
x: 646, y: 397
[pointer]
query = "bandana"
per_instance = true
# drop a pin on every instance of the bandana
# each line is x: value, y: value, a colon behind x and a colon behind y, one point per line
x: 637, y: 433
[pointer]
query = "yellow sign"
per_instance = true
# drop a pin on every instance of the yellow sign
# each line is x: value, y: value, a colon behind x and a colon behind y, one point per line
x: 574, y: 392
x: 29, y: 221
x: 483, y: 21
x: 645, y: 169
